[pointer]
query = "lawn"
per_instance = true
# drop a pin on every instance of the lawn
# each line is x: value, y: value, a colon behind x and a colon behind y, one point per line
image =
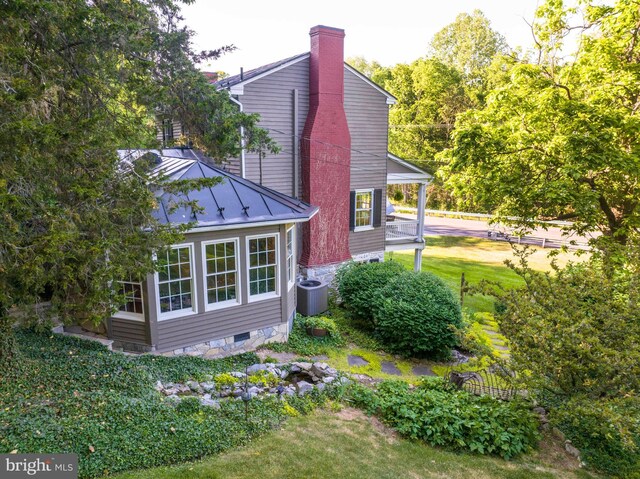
x: 348, y: 444
x: 450, y: 256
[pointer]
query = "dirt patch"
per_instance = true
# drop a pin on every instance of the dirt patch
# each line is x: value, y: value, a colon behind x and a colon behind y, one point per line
x: 280, y: 357
x: 352, y: 414
x: 551, y: 452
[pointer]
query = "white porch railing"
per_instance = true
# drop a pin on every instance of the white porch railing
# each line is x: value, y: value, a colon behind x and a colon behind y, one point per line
x: 402, y: 230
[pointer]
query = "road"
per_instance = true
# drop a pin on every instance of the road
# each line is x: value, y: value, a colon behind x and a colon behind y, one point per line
x: 446, y: 226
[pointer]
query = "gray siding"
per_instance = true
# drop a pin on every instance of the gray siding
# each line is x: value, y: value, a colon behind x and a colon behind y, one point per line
x: 209, y: 325
x: 272, y: 98
x: 368, y: 117
x: 128, y: 330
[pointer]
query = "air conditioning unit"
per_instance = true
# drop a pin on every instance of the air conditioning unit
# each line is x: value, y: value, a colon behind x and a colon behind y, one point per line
x: 313, y: 297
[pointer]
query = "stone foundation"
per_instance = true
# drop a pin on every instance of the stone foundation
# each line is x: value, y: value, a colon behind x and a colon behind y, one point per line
x: 225, y: 346
x: 328, y: 272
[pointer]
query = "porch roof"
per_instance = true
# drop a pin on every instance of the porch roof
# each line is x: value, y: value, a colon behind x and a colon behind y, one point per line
x: 400, y: 172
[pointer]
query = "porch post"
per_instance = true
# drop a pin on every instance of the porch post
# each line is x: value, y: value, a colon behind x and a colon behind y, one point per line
x: 422, y: 201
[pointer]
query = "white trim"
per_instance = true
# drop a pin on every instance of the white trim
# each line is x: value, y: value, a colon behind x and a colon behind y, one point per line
x: 128, y: 314
x: 260, y: 297
x: 391, y: 100
x: 194, y: 288
x: 292, y: 280
x: 238, y: 88
x: 219, y: 227
x: 355, y: 210
x: 231, y: 302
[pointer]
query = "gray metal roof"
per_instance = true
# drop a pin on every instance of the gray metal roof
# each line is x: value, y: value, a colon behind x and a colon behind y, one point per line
x: 234, y: 202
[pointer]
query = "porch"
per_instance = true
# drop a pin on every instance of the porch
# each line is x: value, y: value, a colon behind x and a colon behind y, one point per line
x: 405, y: 233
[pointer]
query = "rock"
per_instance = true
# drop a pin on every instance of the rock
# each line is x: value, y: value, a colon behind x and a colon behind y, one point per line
x: 208, y: 386
x: 346, y: 381
x: 328, y: 379
x: 237, y: 392
x: 183, y: 388
x: 321, y: 386
x: 254, y: 391
x: 303, y: 387
x: 159, y: 386
x: 194, y: 386
x: 458, y: 357
x: 170, y: 391
x: 571, y: 449
x: 539, y: 410
x: 237, y: 374
x: 257, y: 367
x: 300, y: 366
x: 289, y: 391
x: 210, y: 403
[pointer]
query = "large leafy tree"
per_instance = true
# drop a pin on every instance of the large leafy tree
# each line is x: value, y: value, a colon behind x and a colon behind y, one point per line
x: 78, y: 80
x: 560, y: 139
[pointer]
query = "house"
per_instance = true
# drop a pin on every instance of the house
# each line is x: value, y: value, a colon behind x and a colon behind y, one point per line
x: 332, y: 125
x: 230, y: 284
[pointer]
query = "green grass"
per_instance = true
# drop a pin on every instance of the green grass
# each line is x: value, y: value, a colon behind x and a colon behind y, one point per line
x: 349, y: 445
x: 450, y: 256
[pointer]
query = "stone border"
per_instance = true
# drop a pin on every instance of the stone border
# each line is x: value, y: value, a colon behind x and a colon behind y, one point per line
x: 225, y: 346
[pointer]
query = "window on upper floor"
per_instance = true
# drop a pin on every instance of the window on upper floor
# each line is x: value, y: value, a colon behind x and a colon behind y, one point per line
x: 366, y: 209
x: 167, y: 131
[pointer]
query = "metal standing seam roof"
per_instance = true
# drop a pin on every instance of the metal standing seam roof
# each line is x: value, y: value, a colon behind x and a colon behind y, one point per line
x: 233, y: 202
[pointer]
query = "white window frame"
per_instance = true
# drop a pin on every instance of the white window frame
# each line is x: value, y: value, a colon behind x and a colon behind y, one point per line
x: 194, y: 290
x: 272, y: 294
x: 355, y: 211
x: 231, y: 302
x: 291, y: 258
x: 127, y: 314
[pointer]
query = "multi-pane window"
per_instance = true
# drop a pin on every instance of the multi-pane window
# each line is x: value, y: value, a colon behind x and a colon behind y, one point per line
x: 132, y: 292
x: 263, y: 268
x: 167, y: 131
x: 221, y: 272
x: 364, y: 209
x: 291, y: 264
x: 175, y: 280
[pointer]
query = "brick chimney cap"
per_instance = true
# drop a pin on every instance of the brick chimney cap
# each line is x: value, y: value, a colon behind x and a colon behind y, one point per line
x: 326, y: 30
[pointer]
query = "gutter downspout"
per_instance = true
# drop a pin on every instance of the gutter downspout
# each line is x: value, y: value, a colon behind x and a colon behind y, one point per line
x: 242, y: 152
x: 296, y: 146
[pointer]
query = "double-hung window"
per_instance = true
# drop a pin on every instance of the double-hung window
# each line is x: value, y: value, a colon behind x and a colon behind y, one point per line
x: 176, y: 287
x: 363, y: 209
x: 262, y: 266
x: 133, y: 306
x: 291, y: 258
x: 221, y: 273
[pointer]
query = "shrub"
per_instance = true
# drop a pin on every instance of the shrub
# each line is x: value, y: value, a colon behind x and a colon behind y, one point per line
x: 359, y: 285
x: 607, y: 433
x: 418, y: 315
x: 441, y: 416
x: 320, y: 322
x: 473, y: 338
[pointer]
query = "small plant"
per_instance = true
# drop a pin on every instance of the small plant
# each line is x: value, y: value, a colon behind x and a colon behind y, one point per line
x: 473, y: 338
x: 225, y: 380
x: 263, y: 378
x: 189, y: 405
x: 270, y: 359
x: 320, y: 322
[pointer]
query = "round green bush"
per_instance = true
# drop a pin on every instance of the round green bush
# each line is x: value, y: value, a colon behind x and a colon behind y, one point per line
x: 359, y: 285
x: 418, y: 316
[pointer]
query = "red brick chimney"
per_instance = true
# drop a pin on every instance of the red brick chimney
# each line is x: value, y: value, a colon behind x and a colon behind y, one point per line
x: 326, y: 152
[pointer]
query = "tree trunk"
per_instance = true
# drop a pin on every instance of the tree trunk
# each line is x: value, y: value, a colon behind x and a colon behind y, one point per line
x: 8, y: 345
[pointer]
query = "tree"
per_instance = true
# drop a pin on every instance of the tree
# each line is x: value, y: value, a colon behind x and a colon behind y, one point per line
x: 469, y: 45
x: 364, y: 66
x: 560, y: 140
x: 78, y: 80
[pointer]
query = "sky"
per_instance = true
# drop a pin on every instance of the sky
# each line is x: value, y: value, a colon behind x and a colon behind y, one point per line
x: 398, y: 32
